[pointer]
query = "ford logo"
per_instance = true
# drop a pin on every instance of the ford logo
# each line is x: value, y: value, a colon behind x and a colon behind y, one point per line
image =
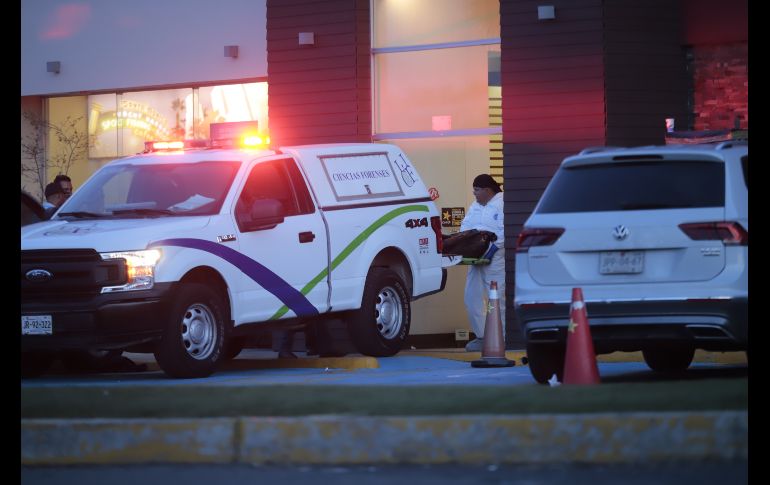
x: 38, y: 275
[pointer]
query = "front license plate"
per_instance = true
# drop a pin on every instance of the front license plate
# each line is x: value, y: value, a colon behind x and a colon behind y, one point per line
x: 621, y: 262
x: 36, y: 325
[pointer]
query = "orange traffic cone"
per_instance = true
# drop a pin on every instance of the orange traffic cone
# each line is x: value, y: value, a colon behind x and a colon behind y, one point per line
x: 580, y: 360
x: 493, y: 351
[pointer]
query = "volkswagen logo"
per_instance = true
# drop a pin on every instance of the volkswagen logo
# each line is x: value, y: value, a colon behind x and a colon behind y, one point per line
x: 620, y: 232
x: 38, y: 275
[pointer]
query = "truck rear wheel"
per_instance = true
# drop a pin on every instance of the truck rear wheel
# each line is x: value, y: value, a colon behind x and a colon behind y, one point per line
x: 380, y: 327
x: 196, y: 330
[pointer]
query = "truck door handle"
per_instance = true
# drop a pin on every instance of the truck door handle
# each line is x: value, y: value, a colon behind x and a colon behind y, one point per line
x: 307, y: 236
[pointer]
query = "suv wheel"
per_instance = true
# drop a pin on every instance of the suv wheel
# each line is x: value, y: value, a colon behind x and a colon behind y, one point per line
x: 668, y: 359
x: 545, y: 360
x: 196, y: 330
x: 380, y: 327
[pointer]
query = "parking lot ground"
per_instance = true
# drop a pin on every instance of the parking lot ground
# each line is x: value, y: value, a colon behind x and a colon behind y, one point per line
x: 254, y: 367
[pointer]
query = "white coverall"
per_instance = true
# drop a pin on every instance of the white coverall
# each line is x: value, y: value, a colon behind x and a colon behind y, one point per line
x: 487, y: 217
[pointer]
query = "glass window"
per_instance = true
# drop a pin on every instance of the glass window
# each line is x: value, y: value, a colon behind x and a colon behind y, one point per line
x: 119, y: 124
x: 635, y: 186
x: 232, y: 102
x: 167, y: 189
x: 434, y: 90
x: 272, y: 180
x: 410, y: 22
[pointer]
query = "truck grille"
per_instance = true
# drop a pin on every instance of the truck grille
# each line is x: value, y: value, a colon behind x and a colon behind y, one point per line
x: 51, y: 275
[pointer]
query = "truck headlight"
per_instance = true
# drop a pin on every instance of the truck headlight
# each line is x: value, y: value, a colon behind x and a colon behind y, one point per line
x: 140, y: 269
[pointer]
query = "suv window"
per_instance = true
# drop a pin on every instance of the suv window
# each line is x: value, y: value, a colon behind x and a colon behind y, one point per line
x: 635, y: 186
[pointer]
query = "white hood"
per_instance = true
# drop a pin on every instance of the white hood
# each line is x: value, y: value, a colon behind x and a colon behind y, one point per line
x: 107, y: 234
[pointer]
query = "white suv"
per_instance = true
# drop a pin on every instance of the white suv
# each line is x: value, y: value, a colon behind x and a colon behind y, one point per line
x: 656, y: 237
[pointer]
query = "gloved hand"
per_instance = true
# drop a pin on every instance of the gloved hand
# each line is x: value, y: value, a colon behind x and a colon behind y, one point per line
x: 490, y: 251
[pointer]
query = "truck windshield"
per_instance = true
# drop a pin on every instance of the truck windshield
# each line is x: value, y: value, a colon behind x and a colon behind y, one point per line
x: 156, y: 190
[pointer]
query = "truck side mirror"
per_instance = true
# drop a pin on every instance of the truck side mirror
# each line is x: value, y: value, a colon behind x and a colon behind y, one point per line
x: 265, y: 214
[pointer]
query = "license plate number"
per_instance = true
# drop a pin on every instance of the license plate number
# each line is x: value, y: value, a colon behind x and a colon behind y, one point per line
x: 36, y: 325
x: 621, y: 262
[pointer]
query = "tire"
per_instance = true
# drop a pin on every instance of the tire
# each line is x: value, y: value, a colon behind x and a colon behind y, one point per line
x: 195, y: 333
x: 380, y: 327
x: 668, y: 358
x: 35, y: 364
x: 545, y: 360
x: 90, y: 360
x: 234, y: 347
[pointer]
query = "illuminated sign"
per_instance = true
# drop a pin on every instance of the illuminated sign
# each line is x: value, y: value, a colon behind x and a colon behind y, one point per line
x: 144, y: 121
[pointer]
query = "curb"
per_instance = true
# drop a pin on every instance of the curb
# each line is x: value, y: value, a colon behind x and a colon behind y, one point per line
x: 701, y: 356
x: 337, y: 440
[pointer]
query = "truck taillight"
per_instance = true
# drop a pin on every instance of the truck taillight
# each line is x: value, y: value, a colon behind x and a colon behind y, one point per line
x: 542, y: 236
x: 730, y: 233
x: 435, y: 224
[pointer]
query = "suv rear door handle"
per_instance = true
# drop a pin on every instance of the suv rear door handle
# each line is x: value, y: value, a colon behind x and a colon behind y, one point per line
x: 307, y: 236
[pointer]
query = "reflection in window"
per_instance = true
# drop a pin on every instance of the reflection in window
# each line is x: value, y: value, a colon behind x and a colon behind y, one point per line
x: 119, y: 125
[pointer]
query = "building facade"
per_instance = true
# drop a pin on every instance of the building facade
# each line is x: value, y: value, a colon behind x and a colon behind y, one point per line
x: 507, y: 87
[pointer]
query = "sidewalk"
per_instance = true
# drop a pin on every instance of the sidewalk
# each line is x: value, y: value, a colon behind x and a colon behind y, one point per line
x: 338, y: 440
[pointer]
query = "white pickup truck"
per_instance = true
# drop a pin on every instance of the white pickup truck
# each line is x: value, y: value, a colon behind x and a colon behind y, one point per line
x: 177, y: 251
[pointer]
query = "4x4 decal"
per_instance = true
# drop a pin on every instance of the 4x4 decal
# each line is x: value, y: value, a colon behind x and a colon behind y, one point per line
x: 415, y: 223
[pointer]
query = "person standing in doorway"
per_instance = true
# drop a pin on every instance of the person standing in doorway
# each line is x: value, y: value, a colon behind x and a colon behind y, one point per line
x: 485, y: 214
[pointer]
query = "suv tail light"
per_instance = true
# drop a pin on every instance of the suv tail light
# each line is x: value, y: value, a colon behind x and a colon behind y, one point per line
x: 730, y: 233
x: 543, y: 236
x: 435, y: 224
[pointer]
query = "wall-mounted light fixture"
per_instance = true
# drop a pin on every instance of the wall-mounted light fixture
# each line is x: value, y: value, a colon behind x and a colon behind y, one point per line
x: 546, y: 12
x: 53, y: 66
x: 231, y: 51
x: 306, y: 38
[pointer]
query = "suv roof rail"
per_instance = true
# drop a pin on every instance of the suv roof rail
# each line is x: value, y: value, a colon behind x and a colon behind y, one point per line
x: 589, y: 150
x: 729, y: 144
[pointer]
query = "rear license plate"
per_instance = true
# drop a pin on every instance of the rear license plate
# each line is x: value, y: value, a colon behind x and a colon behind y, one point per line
x: 36, y: 325
x: 621, y: 262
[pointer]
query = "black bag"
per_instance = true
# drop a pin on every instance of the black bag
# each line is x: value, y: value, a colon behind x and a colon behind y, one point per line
x: 468, y: 244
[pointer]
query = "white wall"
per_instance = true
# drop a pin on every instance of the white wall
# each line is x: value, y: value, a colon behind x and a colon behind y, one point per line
x: 109, y: 45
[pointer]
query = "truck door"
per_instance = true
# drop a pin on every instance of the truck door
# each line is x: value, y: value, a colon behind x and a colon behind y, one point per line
x: 289, y: 277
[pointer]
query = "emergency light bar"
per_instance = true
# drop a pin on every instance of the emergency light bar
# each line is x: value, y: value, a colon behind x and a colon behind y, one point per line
x: 171, y: 146
x: 234, y: 134
x: 237, y: 134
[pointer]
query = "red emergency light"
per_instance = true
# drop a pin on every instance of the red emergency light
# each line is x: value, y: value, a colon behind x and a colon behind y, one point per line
x: 233, y: 134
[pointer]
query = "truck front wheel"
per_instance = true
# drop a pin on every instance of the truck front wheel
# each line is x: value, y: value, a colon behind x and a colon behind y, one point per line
x: 196, y: 330
x: 380, y: 327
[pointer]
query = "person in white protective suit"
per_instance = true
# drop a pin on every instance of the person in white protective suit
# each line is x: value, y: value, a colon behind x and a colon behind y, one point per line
x: 485, y: 214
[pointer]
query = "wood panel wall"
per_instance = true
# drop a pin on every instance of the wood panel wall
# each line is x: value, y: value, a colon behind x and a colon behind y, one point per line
x: 319, y: 93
